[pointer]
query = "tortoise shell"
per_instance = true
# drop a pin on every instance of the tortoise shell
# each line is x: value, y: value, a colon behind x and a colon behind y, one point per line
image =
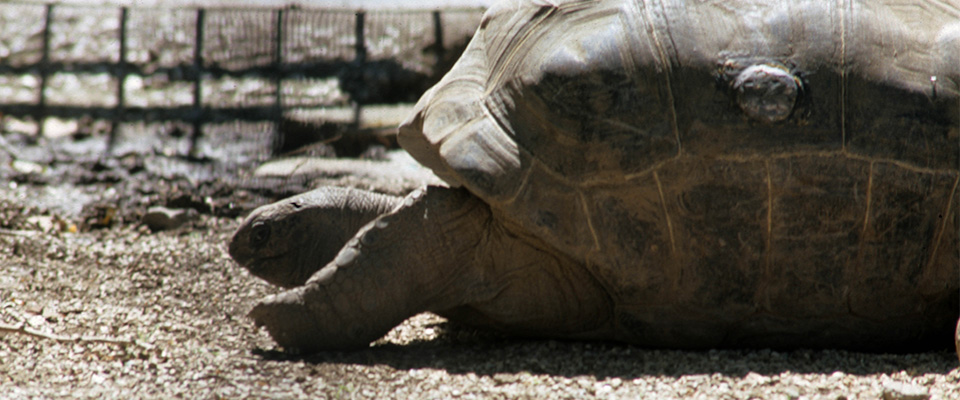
x: 725, y: 169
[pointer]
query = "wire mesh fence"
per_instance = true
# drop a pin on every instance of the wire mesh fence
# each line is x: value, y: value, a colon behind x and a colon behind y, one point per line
x: 197, y: 67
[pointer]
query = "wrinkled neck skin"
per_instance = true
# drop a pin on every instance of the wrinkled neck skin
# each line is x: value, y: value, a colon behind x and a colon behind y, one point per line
x: 441, y: 250
x: 337, y: 225
x: 304, y: 232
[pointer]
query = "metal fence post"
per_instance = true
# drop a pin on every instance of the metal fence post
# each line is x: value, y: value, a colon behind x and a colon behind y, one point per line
x: 121, y: 73
x: 361, y: 58
x: 41, y: 112
x: 438, y: 35
x: 278, y: 59
x: 197, y: 81
x: 278, y: 82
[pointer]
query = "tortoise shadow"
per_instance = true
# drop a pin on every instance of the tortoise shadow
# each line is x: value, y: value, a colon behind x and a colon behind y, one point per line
x: 462, y: 351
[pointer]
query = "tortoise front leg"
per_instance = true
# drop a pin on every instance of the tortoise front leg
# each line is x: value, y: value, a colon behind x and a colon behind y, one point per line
x: 419, y: 257
x: 443, y: 250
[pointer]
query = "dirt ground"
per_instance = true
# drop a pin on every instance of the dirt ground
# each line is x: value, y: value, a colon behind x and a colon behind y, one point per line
x: 95, y: 304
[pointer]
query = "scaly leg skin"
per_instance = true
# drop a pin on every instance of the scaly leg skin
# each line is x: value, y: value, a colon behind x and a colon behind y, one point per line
x: 286, y: 242
x: 399, y: 264
x: 441, y: 250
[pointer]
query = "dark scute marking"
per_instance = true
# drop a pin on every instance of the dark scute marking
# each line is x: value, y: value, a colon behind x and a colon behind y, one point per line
x: 636, y: 257
x: 818, y: 212
x: 891, y: 123
x: 546, y: 219
x: 632, y: 234
x: 718, y: 211
x: 552, y: 211
x: 618, y: 122
x: 721, y: 227
x: 905, y: 223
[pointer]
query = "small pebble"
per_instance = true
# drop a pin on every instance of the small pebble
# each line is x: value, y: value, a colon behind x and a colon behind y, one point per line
x: 161, y: 218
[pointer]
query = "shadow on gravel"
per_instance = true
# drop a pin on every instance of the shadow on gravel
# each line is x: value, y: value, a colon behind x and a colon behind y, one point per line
x: 488, y: 355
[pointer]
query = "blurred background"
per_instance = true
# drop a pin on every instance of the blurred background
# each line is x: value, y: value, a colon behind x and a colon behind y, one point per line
x: 110, y: 107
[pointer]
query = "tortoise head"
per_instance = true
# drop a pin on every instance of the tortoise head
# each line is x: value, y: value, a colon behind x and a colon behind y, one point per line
x: 284, y: 243
x: 280, y: 242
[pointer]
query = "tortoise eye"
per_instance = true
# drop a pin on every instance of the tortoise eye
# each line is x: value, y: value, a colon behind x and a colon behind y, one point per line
x: 259, y: 233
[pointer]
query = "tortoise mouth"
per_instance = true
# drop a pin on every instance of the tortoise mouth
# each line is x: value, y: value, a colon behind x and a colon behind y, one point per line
x: 250, y: 260
x: 260, y: 266
x: 266, y: 268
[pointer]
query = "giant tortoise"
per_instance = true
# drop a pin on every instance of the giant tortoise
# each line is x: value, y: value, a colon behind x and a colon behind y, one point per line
x: 668, y: 173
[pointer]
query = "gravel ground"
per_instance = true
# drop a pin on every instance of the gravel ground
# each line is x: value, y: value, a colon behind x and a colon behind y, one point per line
x: 176, y: 303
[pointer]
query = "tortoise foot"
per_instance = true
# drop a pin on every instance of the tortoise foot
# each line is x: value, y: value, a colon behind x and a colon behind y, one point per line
x: 298, y: 328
